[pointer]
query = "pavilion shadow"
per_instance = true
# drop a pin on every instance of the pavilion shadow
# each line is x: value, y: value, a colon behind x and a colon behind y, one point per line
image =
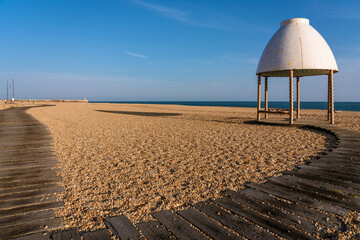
x: 255, y: 122
x: 146, y: 114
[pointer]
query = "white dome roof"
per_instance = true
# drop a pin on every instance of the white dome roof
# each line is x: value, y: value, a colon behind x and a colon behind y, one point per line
x: 298, y: 46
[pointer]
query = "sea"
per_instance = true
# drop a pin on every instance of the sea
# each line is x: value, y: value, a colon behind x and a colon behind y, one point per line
x: 339, y: 106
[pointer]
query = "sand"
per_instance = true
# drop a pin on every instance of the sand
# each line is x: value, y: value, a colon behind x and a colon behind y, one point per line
x: 138, y: 159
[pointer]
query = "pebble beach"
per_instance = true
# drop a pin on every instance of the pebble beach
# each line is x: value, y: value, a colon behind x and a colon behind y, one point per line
x: 137, y: 159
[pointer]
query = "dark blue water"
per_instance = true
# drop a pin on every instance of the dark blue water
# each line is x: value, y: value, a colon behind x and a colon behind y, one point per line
x: 339, y: 106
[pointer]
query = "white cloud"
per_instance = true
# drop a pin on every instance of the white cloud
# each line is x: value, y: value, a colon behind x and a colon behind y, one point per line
x: 200, y: 17
x: 135, y: 54
x: 169, y: 12
x: 352, y: 17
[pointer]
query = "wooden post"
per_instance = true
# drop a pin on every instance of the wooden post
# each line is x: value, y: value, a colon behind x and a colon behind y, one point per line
x: 291, y: 98
x: 266, y: 97
x: 259, y: 97
x: 329, y: 102
x: 298, y: 97
x: 332, y: 114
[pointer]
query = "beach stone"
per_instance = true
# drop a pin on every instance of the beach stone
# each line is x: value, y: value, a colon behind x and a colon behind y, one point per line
x: 116, y: 161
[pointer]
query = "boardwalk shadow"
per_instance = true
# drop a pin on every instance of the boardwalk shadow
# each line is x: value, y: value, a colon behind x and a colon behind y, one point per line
x: 146, y: 114
x: 21, y: 108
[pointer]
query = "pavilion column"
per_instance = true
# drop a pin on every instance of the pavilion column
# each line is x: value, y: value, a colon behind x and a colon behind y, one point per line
x: 291, y: 97
x: 331, y: 81
x: 297, y: 97
x: 329, y: 102
x: 259, y: 97
x: 266, y: 97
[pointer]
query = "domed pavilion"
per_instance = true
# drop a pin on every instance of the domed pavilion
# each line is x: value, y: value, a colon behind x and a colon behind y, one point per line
x: 296, y: 50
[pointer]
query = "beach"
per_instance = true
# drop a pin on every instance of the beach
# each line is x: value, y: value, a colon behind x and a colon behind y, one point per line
x: 137, y: 159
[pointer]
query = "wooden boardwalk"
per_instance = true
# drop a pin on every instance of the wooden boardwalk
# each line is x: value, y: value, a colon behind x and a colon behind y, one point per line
x: 27, y: 178
x: 289, y: 206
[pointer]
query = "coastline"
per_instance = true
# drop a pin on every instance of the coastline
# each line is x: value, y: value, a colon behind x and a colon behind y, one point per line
x: 305, y: 105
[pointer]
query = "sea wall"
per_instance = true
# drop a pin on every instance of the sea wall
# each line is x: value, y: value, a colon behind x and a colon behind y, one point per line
x: 47, y: 100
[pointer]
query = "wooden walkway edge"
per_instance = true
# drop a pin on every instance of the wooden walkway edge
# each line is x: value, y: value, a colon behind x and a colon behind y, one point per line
x: 27, y: 176
x: 291, y: 206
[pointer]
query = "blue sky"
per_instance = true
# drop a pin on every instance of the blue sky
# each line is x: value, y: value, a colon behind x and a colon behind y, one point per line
x: 164, y: 50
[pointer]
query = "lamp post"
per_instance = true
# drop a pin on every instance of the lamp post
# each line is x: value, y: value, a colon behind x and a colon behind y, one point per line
x: 13, y: 87
x: 7, y: 91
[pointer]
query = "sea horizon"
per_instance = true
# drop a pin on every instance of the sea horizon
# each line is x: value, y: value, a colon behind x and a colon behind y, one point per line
x: 339, y: 106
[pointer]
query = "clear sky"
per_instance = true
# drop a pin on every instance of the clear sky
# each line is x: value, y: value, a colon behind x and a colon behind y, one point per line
x: 132, y: 50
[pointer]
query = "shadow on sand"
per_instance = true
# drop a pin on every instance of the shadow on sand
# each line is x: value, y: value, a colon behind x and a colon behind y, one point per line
x: 146, y: 114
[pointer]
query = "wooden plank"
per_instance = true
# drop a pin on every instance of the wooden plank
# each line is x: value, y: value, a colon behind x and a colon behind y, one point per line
x: 335, y: 166
x: 102, y: 234
x: 69, y: 234
x: 316, y: 216
x: 25, y: 123
x: 298, y: 185
x: 354, y: 141
x: 333, y: 158
x: 346, y: 177
x: 234, y: 222
x: 299, y: 198
x: 19, y: 161
x: 335, y: 198
x: 31, y: 227
x: 346, y: 153
x: 206, y: 225
x: 31, y: 193
x: 29, y: 143
x: 22, y: 157
x: 14, y: 141
x: 350, y: 139
x: 308, y: 168
x: 347, y: 149
x: 122, y: 227
x: 272, y: 212
x: 330, y: 187
x: 24, y: 218
x: 26, y: 162
x: 25, y: 145
x: 37, y: 236
x: 27, y: 177
x: 32, y: 182
x: 15, y: 149
x: 346, y: 135
x: 177, y: 226
x: 30, y: 208
x: 27, y: 201
x: 323, y: 178
x: 347, y: 159
x: 20, y: 189
x: 264, y: 221
x: 24, y: 153
x: 335, y: 175
x: 16, y: 137
x: 344, y: 158
x: 152, y: 230
x: 20, y: 168
x: 343, y: 131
